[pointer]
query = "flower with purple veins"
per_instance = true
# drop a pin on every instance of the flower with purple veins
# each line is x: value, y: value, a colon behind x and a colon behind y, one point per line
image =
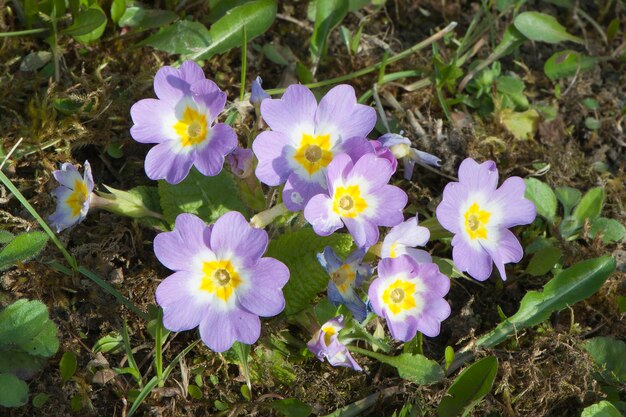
x: 402, y: 240
x: 409, y: 296
x: 359, y: 198
x: 241, y: 161
x: 400, y: 146
x: 345, y: 277
x: 181, y: 123
x: 221, y: 282
x: 325, y: 344
x: 480, y: 215
x: 306, y: 136
x: 73, y: 196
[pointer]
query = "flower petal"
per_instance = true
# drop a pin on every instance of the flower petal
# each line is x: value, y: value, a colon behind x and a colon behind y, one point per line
x: 298, y: 191
x: 169, y: 86
x: 391, y: 201
x: 319, y: 214
x: 372, y: 171
x: 507, y: 250
x: 67, y: 175
x: 270, y: 148
x: 339, y: 109
x: 265, y: 297
x: 148, y: 117
x: 209, y: 94
x: 162, y: 162
x: 292, y: 113
x: 364, y: 231
x: 233, y: 235
x: 471, y: 258
x: 516, y: 210
x: 210, y: 159
x: 181, y: 310
x: 175, y: 249
x: 220, y: 329
x: 478, y: 177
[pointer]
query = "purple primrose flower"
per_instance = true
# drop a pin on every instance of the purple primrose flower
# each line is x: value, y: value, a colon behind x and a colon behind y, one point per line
x: 180, y: 122
x: 73, y: 196
x: 325, y: 344
x: 409, y: 296
x: 359, y: 197
x: 306, y: 136
x: 345, y: 277
x: 400, y: 146
x: 479, y: 214
x: 258, y: 94
x: 221, y: 282
x: 402, y: 240
x: 241, y: 161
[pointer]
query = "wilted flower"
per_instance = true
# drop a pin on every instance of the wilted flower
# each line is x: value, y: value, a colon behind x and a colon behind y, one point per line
x: 221, y: 283
x: 258, y: 94
x: 359, y: 197
x: 345, y: 277
x: 479, y: 214
x: 401, y: 148
x: 402, y: 240
x: 325, y: 344
x: 305, y: 137
x: 241, y: 161
x: 180, y: 122
x: 409, y: 296
x: 384, y: 152
x: 73, y: 196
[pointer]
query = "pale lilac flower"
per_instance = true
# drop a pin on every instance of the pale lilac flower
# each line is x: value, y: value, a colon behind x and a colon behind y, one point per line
x: 409, y: 296
x: 73, y: 196
x: 400, y: 146
x: 402, y: 240
x: 345, y: 277
x: 384, y: 152
x: 180, y: 122
x: 306, y: 136
x: 241, y: 161
x: 258, y: 94
x: 479, y: 214
x: 325, y: 344
x: 221, y: 282
x: 359, y: 197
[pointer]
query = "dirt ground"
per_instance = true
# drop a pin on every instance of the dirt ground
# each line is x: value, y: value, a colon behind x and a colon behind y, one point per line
x: 545, y: 373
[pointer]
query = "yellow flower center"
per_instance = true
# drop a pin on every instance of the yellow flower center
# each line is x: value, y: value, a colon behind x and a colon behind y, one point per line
x: 343, y: 277
x: 476, y: 221
x: 329, y: 331
x: 393, y: 249
x: 314, y: 152
x: 192, y: 128
x: 399, y: 296
x: 78, y: 197
x: 219, y: 278
x: 347, y: 201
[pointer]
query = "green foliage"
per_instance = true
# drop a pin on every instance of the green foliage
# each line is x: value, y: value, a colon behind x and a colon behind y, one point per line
x: 206, y: 197
x: 110, y: 343
x: 590, y: 206
x: 567, y: 63
x: 567, y: 288
x: 292, y: 407
x: 568, y: 197
x: 13, y: 391
x: 87, y: 25
x: 609, y: 354
x: 96, y: 32
x: 609, y: 229
x: 522, y: 125
x: 227, y: 33
x: 182, y: 37
x: 542, y: 27
x: 601, y: 409
x: 67, y: 366
x: 469, y: 388
x: 412, y: 367
x: 544, y: 198
x: 328, y: 14
x: 298, y: 250
x: 27, y: 338
x: 140, y: 19
x: 21, y: 248
x: 543, y: 261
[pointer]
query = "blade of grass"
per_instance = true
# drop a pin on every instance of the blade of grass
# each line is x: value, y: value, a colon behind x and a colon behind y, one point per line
x: 244, y: 64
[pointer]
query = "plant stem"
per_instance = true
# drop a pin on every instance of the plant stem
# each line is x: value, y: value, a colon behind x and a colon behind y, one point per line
x: 22, y: 32
x: 158, y: 349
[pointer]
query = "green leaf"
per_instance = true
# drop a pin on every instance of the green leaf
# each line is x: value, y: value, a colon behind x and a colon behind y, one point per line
x: 206, y: 197
x: 5, y: 237
x: 522, y: 125
x: 40, y: 399
x: 227, y: 33
x: 291, y: 407
x: 96, y: 32
x: 567, y: 63
x: 567, y: 288
x: 25, y: 325
x: 601, y: 409
x: 13, y: 391
x: 542, y: 195
x: 469, y: 388
x: 592, y: 123
x: 328, y: 14
x: 118, y: 7
x: 568, y: 197
x: 542, y: 27
x: 86, y: 22
x: 110, y: 343
x: 143, y: 19
x: 68, y: 365
x: 609, y: 354
x: 610, y: 229
x: 15, y: 361
x: 194, y: 392
x: 543, y: 261
x: 511, y: 90
x: 298, y: 250
x: 182, y: 37
x: 590, y: 206
x: 22, y: 248
x: 412, y: 367
x: 449, y: 356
